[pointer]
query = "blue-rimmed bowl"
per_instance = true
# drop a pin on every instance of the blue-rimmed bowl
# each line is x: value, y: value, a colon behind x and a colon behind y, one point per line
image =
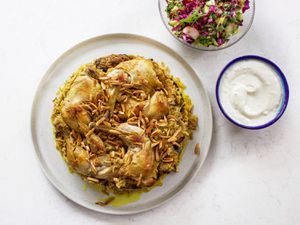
x: 284, y: 83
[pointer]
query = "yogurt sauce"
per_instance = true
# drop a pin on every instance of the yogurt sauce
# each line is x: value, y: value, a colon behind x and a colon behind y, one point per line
x: 251, y: 92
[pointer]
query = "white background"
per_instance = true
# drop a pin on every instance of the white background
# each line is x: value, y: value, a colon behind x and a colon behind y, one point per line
x: 250, y: 177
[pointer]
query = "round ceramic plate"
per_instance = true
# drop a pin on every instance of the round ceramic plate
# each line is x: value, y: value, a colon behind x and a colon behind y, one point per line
x: 55, y: 168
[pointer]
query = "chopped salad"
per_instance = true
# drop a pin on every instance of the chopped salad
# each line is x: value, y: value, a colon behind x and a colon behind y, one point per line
x: 206, y: 22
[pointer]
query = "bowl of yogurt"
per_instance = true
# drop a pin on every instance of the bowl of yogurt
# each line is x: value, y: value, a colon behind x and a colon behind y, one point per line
x: 252, y: 92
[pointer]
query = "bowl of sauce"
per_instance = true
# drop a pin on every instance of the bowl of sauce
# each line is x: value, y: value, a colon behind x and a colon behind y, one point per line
x: 252, y: 92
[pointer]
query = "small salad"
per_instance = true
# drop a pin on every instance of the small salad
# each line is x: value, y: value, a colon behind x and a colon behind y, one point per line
x: 206, y: 22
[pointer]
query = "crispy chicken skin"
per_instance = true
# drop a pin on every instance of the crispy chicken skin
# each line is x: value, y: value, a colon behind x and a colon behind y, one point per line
x: 157, y: 107
x: 73, y: 112
x: 107, y: 122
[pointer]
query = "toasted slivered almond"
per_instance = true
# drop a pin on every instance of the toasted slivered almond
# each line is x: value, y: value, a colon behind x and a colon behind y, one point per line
x: 132, y: 119
x: 146, y: 119
x: 105, y: 98
x: 143, y: 122
x: 88, y: 107
x: 186, y: 133
x: 172, y: 139
x: 127, y: 85
x: 165, y: 119
x: 139, y: 123
x: 91, y: 131
x: 107, y: 124
x: 164, y: 136
x: 168, y: 132
x: 177, y: 132
x: 103, y: 85
x: 166, y: 92
x: 105, y: 202
x: 114, y: 142
x: 168, y: 159
x: 163, y: 155
x: 138, y: 91
x: 123, y: 108
x: 136, y: 98
x: 115, y: 123
x: 139, y: 180
x: 160, y: 144
x: 93, y: 105
x: 125, y: 99
x: 155, y: 132
x: 162, y: 124
x: 93, y: 168
x: 197, y: 149
x: 154, y: 144
x: 156, y: 155
x: 102, y: 102
x: 177, y: 144
x: 106, y: 107
x: 115, y: 83
x: 116, y: 118
x: 94, y: 180
x: 95, y: 112
x: 171, y: 117
x: 137, y: 143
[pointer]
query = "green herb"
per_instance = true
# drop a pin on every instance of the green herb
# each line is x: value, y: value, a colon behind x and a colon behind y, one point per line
x: 170, y: 6
x: 173, y: 6
x: 192, y: 18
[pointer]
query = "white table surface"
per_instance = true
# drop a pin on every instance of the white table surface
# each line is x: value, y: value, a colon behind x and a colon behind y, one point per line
x: 250, y: 177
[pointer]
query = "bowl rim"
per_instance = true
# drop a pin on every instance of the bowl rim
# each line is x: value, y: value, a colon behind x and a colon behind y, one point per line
x: 284, y: 85
x: 207, y: 49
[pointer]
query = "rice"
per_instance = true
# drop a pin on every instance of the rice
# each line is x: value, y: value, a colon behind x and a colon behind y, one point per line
x: 104, y: 135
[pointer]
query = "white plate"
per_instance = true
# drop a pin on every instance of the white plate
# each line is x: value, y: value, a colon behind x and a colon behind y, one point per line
x: 54, y: 167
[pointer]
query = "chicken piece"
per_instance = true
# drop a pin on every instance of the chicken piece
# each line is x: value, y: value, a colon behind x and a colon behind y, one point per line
x: 142, y: 164
x: 78, y: 158
x: 113, y: 92
x: 132, y: 135
x: 61, y: 128
x: 139, y: 159
x: 138, y: 71
x: 157, y: 107
x: 138, y: 164
x: 141, y: 72
x: 83, y: 89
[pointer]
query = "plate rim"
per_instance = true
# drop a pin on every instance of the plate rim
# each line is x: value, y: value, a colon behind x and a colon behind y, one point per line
x: 47, y: 75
